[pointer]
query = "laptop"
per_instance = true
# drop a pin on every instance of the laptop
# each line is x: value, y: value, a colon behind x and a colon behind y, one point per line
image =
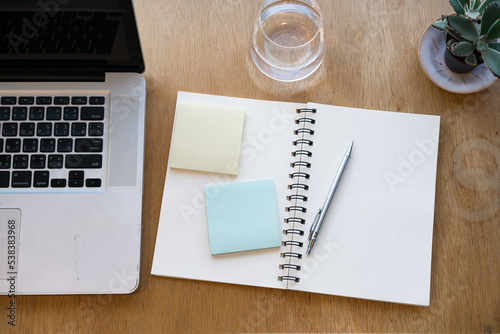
x: 72, y: 114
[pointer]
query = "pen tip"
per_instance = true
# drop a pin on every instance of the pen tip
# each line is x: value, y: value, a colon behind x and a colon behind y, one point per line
x: 349, y: 149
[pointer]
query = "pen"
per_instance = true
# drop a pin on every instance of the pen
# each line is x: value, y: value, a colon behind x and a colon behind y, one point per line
x: 323, y: 211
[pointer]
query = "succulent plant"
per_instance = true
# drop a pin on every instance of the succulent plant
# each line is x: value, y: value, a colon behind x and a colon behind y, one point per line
x: 470, y: 8
x: 474, y: 31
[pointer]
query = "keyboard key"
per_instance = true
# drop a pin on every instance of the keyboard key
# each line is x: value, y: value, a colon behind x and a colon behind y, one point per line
x: 21, y: 179
x: 4, y: 179
x: 27, y: 129
x: 76, y: 174
x: 92, y: 113
x: 19, y: 113
x: 9, y: 130
x: 44, y: 129
x: 4, y: 113
x: 54, y: 113
x: 88, y: 145
x: 37, y: 161
x: 37, y: 113
x: 75, y: 183
x: 41, y: 179
x: 93, y: 183
x: 20, y: 161
x: 96, y: 129
x: 1, y: 145
x: 44, y: 100
x: 48, y: 145
x: 65, y: 145
x: 61, y: 100
x: 58, y: 183
x: 13, y: 145
x: 70, y: 113
x: 79, y: 100
x: 76, y: 178
x: 30, y: 145
x: 26, y: 100
x: 8, y: 100
x: 96, y: 100
x: 61, y: 129
x: 5, y: 161
x: 83, y: 161
x: 78, y: 129
x: 55, y: 161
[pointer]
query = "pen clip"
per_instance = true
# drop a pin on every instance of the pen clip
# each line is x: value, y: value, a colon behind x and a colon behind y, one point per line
x: 315, y: 222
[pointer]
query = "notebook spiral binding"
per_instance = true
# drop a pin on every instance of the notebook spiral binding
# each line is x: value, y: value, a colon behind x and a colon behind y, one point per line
x: 299, y: 187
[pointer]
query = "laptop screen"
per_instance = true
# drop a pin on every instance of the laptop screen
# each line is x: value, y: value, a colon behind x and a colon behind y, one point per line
x: 37, y: 36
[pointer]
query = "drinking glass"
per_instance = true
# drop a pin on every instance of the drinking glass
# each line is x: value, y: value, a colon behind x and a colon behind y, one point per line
x: 288, y: 42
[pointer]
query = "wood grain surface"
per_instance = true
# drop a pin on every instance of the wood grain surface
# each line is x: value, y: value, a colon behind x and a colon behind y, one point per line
x: 371, y: 62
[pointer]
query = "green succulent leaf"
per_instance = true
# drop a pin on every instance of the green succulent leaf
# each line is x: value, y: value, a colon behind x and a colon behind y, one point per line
x: 451, y: 43
x: 439, y: 25
x: 462, y: 49
x: 464, y: 27
x: 452, y: 32
x: 481, y: 46
x: 494, y: 31
x: 472, y: 15
x: 471, y: 9
x: 474, y: 4
x: 458, y: 6
x: 490, y: 16
x: 494, y: 46
x: 471, y: 59
x: 492, y: 60
x: 484, y: 5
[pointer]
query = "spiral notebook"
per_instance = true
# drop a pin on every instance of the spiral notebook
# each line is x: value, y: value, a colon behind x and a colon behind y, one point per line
x: 376, y: 242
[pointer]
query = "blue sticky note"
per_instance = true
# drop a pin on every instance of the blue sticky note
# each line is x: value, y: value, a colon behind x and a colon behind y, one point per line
x: 242, y: 216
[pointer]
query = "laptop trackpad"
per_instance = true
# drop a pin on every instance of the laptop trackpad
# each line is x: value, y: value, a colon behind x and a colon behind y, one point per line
x: 123, y: 140
x: 109, y: 253
x: 10, y: 225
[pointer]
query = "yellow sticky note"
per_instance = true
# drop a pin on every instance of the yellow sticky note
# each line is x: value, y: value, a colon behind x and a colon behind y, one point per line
x: 207, y: 138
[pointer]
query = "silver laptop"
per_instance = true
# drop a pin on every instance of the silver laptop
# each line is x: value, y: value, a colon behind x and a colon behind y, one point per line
x: 72, y: 112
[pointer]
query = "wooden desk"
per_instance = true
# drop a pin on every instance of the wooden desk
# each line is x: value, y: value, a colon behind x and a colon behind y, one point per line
x: 371, y: 62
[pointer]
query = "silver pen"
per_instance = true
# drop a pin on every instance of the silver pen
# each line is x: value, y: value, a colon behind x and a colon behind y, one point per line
x: 323, y: 211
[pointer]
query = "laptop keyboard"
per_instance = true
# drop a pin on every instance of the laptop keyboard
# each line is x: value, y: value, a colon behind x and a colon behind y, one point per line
x: 50, y: 143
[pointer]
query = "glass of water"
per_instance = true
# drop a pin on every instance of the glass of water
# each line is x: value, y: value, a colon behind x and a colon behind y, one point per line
x: 288, y: 42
